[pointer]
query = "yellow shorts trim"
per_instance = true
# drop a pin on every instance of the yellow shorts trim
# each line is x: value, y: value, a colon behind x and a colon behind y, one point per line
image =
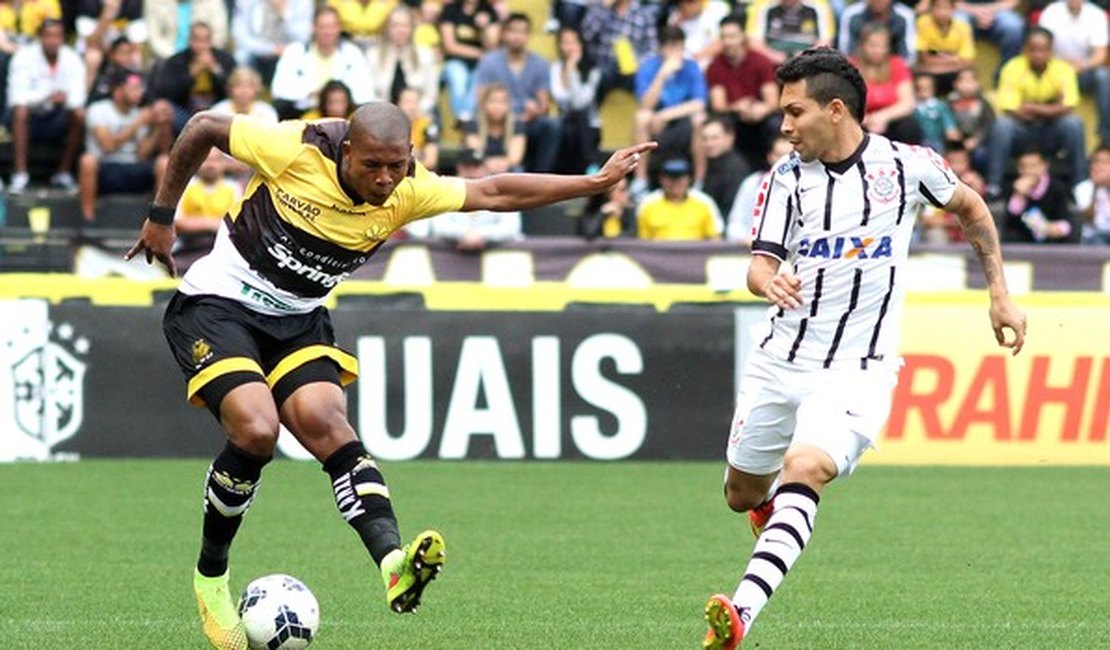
x: 348, y: 365
x: 218, y: 369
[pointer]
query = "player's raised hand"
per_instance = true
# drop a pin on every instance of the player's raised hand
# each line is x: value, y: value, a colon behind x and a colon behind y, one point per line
x: 1005, y: 315
x: 623, y: 162
x: 156, y: 240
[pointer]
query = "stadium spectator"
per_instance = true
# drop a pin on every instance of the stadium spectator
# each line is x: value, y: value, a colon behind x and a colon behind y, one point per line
x: 742, y: 85
x: 740, y: 217
x: 619, y: 34
x: 1038, y: 208
x: 1092, y: 198
x: 497, y: 134
x: 46, y: 98
x: 470, y: 232
x: 425, y: 128
x: 672, y: 96
x: 195, y: 78
x: 206, y: 200
x: 9, y: 43
x: 934, y: 117
x: 997, y: 21
x: 575, y: 81
x: 779, y: 29
x: 398, y: 62
x: 567, y: 14
x: 941, y: 226
x: 100, y: 22
x: 817, y: 387
x: 262, y: 29
x: 125, y: 145
x: 122, y: 54
x: 1037, y: 97
x: 527, y: 75
x: 334, y: 102
x: 170, y: 24
x: 244, y: 96
x: 303, y: 69
x: 467, y: 28
x: 1080, y: 34
x: 287, y: 329
x: 725, y: 169
x: 899, y: 20
x: 676, y: 212
x: 363, y: 20
x: 609, y: 215
x: 974, y: 116
x: 21, y: 20
x: 890, y: 100
x: 945, y: 45
x: 700, y: 20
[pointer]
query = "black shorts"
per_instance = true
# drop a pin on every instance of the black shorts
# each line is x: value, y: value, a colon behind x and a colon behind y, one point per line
x: 220, y: 344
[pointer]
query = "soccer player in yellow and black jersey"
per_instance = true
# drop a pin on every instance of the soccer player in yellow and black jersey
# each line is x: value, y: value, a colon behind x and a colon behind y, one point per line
x: 248, y: 328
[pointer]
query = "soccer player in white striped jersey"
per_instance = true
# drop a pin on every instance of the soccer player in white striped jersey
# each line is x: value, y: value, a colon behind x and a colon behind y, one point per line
x: 838, y: 211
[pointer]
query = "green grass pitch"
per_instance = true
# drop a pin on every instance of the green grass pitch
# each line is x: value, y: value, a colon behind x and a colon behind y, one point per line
x: 99, y: 554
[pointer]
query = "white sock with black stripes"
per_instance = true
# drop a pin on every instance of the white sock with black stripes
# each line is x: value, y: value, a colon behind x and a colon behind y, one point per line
x: 783, y: 540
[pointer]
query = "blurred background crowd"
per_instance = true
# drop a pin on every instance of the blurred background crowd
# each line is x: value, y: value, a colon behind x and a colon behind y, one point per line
x: 1015, y: 96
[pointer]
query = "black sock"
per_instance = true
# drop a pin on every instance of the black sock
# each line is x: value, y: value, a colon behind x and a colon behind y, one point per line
x: 229, y: 489
x: 363, y: 498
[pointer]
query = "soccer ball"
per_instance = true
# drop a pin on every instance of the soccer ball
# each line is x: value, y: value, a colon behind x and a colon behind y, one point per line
x: 279, y: 613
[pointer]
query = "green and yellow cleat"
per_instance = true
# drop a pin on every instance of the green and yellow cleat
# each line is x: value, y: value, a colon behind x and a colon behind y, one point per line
x: 218, y: 615
x: 407, y: 571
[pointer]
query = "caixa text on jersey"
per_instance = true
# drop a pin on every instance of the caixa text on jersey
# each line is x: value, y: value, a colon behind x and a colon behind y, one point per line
x: 845, y: 247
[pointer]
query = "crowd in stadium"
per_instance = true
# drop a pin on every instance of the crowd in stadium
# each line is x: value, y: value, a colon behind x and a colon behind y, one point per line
x: 111, y: 82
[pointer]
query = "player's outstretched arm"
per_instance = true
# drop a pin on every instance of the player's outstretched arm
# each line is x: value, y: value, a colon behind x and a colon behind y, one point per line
x: 202, y: 132
x: 512, y: 192
x: 978, y: 225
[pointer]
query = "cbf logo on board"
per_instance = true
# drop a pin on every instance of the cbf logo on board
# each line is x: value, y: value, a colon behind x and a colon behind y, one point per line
x: 42, y: 376
x: 834, y: 248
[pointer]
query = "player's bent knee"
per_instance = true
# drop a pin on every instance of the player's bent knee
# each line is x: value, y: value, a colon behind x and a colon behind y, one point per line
x: 257, y: 435
x: 742, y: 497
x: 812, y: 467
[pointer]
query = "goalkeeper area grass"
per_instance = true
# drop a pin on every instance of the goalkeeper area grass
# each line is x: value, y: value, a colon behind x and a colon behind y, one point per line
x: 100, y: 554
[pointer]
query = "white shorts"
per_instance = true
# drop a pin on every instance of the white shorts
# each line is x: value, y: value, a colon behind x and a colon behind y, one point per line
x: 841, y: 411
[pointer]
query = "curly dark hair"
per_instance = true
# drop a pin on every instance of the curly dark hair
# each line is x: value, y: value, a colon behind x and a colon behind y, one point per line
x: 828, y: 75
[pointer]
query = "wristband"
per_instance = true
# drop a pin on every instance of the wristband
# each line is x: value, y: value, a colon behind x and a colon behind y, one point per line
x: 159, y: 215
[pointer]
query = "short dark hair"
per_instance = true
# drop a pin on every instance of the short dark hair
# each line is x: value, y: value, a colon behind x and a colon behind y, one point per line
x: 519, y: 17
x: 671, y: 34
x: 1038, y: 31
x: 828, y: 75
x: 733, y: 19
x: 726, y: 122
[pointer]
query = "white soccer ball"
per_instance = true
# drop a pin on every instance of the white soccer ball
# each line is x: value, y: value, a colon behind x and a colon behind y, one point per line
x: 279, y: 613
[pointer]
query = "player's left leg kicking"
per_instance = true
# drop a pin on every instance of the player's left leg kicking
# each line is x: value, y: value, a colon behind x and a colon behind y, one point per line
x: 316, y: 413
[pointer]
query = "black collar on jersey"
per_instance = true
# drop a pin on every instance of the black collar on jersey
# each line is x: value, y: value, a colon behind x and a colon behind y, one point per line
x: 847, y: 163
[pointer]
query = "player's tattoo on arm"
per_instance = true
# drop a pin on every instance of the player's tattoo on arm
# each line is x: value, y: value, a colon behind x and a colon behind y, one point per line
x: 202, y: 132
x: 978, y: 225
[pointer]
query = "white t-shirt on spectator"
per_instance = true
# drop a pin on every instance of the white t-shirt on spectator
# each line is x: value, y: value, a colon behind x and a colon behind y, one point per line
x: 1073, y: 37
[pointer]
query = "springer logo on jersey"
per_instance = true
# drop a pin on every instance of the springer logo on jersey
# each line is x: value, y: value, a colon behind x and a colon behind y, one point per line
x: 42, y: 376
x: 845, y: 247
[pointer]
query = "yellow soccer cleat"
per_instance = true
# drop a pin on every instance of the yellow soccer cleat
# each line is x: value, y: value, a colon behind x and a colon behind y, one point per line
x: 407, y: 571
x: 218, y: 616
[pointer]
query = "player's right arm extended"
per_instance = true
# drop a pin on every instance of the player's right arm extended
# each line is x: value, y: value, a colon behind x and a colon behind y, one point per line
x: 978, y: 225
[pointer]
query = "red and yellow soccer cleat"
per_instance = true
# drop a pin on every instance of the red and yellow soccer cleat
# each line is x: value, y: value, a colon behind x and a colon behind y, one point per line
x: 759, y: 515
x: 726, y: 630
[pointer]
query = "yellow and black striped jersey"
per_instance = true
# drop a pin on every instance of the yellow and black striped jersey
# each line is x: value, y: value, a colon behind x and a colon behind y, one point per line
x: 297, y: 232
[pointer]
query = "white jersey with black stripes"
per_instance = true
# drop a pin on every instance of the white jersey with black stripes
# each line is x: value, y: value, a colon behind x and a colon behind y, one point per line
x: 845, y: 228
